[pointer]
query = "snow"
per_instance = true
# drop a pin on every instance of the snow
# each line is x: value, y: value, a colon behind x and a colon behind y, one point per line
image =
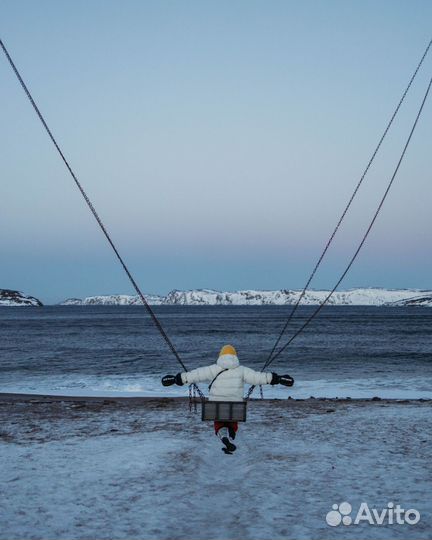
x: 16, y: 298
x: 410, y: 387
x: 111, y: 300
x: 209, y: 297
x: 151, y: 470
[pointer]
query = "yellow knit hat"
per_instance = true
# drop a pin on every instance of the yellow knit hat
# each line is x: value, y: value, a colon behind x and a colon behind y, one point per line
x: 228, y: 349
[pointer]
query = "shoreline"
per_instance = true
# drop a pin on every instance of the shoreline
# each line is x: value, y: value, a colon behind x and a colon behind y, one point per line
x: 10, y: 397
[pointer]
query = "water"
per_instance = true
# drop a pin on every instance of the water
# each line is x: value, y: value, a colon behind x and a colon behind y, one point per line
x: 346, y: 351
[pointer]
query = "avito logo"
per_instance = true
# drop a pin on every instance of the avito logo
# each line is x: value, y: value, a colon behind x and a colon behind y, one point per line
x: 390, y: 515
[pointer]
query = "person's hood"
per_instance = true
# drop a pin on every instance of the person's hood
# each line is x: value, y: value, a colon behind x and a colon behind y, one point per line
x: 228, y: 361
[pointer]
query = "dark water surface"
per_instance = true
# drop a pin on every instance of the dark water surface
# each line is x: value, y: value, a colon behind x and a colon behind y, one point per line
x: 74, y: 346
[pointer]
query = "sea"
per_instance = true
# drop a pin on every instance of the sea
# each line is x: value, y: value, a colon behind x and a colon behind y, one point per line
x: 357, y: 352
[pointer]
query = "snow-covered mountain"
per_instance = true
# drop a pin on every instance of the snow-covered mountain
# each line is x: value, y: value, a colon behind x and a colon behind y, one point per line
x: 114, y: 300
x: 17, y: 298
x: 422, y: 300
x: 209, y: 297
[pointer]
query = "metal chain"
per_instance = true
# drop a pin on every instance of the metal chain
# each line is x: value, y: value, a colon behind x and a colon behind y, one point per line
x: 357, y: 251
x: 347, y: 207
x: 96, y: 216
x: 157, y: 323
x: 192, y: 398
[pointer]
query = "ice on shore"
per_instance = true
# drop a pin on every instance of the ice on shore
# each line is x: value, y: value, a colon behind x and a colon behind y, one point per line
x: 414, y: 387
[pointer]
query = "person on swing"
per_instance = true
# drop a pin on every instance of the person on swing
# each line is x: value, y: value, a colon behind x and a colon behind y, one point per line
x: 227, y: 378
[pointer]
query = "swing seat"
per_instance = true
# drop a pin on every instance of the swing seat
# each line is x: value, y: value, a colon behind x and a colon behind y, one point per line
x: 223, y: 411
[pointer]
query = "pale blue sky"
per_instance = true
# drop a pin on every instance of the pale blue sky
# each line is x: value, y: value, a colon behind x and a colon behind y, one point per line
x: 219, y: 142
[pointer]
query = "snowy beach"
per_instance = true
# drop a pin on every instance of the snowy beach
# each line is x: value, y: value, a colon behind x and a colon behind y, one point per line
x: 148, y: 469
x: 111, y: 454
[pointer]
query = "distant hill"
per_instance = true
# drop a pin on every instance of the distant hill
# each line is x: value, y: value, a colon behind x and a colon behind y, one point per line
x: 17, y: 298
x: 208, y: 297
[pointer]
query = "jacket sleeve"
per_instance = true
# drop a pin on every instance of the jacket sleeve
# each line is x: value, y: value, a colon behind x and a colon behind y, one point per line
x: 201, y: 374
x: 256, y: 377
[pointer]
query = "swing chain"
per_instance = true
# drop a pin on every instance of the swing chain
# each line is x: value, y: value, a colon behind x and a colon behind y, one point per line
x: 272, y: 356
x: 78, y: 184
x: 193, y: 398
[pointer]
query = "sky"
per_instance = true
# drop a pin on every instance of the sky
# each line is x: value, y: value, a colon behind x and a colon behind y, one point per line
x: 219, y: 142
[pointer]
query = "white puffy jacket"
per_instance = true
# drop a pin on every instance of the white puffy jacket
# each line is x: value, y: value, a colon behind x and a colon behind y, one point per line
x: 229, y: 385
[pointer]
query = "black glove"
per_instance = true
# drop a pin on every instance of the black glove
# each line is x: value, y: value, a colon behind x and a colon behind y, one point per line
x: 275, y: 379
x: 169, y: 380
x: 178, y: 380
x: 286, y: 380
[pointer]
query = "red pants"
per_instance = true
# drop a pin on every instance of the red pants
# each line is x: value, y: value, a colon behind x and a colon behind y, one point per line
x: 232, y: 425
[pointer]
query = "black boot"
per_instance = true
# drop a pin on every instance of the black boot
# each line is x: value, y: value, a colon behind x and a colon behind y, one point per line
x: 229, y: 446
x: 224, y: 435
